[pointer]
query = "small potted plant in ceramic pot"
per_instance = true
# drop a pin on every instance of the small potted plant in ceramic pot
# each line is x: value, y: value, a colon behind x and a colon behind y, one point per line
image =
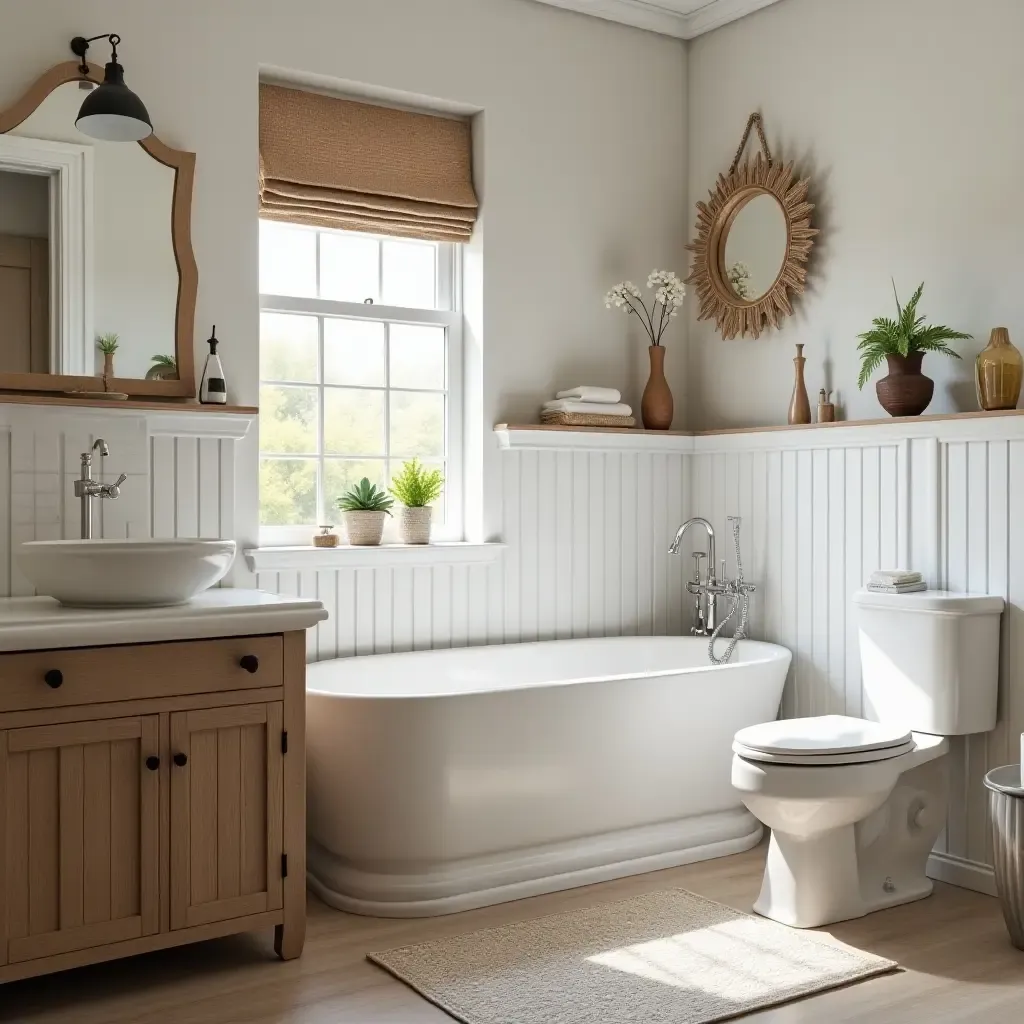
x: 417, y: 488
x: 903, y: 343
x: 163, y: 368
x: 365, y: 505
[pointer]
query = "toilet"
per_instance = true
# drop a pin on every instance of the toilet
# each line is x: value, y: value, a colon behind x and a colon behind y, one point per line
x: 855, y: 805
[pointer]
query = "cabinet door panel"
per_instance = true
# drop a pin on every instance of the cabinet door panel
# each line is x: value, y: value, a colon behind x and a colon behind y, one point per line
x: 225, y: 813
x: 80, y: 835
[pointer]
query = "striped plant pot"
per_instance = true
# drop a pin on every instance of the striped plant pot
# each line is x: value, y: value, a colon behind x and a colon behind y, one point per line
x: 364, y: 528
x: 414, y: 525
x: 1006, y: 807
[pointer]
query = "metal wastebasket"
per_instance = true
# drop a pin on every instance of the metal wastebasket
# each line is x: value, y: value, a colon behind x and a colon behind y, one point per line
x: 1006, y: 809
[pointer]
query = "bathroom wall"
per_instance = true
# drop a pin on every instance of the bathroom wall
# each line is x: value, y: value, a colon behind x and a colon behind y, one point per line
x: 903, y: 115
x: 581, y: 146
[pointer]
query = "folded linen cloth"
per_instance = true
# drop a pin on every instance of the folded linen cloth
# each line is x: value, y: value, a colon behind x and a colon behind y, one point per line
x: 894, y: 577
x: 589, y: 393
x: 903, y: 588
x: 599, y: 408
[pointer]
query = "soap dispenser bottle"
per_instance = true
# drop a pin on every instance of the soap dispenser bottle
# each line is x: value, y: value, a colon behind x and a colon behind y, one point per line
x: 213, y: 390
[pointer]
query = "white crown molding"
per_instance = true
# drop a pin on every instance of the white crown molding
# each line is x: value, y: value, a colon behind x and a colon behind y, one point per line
x: 655, y: 17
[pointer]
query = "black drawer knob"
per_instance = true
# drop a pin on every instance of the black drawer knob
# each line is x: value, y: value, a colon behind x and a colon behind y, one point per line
x: 181, y: 760
x: 54, y: 678
x: 249, y: 662
x: 152, y: 763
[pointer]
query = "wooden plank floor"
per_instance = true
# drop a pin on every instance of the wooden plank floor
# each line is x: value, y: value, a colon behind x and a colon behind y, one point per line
x: 959, y: 966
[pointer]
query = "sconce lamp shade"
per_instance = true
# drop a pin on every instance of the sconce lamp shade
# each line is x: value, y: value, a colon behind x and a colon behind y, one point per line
x: 112, y: 112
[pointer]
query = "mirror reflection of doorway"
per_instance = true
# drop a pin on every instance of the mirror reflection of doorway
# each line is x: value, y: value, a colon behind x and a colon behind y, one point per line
x: 24, y: 304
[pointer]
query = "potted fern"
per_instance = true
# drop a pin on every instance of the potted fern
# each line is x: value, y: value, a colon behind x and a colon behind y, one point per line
x: 163, y: 368
x: 364, y: 505
x: 417, y: 488
x: 903, y: 342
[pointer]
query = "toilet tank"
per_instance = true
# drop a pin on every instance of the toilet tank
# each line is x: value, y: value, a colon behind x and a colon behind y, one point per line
x: 930, y: 661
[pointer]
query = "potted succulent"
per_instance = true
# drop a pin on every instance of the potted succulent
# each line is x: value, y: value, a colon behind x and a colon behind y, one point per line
x: 108, y: 345
x: 417, y: 488
x: 903, y: 342
x: 365, y: 505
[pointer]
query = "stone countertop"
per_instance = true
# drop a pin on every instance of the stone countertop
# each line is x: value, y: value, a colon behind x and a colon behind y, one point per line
x: 41, y: 623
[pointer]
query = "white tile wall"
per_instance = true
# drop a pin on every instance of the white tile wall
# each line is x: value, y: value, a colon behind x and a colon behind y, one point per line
x: 177, y: 486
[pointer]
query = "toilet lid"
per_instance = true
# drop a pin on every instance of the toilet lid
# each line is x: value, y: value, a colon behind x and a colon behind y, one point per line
x: 824, y: 736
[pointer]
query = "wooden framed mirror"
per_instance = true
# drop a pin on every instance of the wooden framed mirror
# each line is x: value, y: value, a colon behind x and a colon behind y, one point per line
x: 754, y: 236
x: 95, y: 242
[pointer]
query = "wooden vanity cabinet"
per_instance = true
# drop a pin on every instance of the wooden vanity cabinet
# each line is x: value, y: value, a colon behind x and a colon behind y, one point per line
x: 128, y: 825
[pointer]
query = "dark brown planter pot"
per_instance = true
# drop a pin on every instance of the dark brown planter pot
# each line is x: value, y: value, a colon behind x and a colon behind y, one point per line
x: 906, y: 391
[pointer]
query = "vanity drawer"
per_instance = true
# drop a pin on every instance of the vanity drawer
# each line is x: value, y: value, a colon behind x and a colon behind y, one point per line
x: 87, y: 675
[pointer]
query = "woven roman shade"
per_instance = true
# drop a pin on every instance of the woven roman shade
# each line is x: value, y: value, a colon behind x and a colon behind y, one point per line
x: 336, y: 163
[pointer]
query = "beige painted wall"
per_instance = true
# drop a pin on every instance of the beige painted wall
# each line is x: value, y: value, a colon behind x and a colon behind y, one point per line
x: 908, y: 117
x: 582, y: 158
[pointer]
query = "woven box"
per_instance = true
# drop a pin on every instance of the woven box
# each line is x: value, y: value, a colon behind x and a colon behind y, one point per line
x: 585, y: 419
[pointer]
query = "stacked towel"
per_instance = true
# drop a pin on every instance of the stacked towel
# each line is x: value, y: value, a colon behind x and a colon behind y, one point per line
x: 595, y: 408
x: 588, y: 406
x: 896, y: 581
x: 588, y: 393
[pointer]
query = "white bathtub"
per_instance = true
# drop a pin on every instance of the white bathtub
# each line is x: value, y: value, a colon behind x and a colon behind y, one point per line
x: 445, y: 780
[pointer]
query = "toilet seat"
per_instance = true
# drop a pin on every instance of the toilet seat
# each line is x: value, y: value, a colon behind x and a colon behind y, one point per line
x: 822, y: 741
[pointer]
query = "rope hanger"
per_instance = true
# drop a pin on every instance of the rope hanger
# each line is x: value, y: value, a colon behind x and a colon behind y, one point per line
x: 754, y: 121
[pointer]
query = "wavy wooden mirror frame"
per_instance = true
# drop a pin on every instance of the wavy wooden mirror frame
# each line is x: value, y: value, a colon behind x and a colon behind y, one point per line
x: 708, y: 273
x: 183, y: 165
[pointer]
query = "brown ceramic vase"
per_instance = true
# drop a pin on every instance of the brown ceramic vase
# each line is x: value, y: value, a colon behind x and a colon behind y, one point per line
x: 656, y: 406
x: 905, y: 390
x: 999, y: 369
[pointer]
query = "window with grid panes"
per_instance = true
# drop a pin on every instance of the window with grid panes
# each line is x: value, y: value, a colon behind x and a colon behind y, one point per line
x: 360, y: 360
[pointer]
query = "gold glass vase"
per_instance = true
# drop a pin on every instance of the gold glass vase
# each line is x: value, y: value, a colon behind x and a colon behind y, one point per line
x: 999, y: 370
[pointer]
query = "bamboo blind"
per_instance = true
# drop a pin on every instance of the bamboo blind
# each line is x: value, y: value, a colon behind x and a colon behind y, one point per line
x: 336, y: 163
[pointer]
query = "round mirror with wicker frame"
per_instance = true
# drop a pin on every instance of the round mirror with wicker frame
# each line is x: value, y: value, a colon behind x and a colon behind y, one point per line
x: 721, y: 286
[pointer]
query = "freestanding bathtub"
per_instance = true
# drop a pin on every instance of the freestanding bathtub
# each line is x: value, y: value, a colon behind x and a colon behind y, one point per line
x: 440, y: 781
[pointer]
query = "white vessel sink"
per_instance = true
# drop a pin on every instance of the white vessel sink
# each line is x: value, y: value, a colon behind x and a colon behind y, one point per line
x: 124, y: 573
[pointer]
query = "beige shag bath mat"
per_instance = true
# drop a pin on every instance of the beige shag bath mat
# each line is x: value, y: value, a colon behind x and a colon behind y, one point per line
x: 668, y: 957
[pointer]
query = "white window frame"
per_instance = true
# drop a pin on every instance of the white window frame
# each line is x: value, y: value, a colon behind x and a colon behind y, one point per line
x: 449, y: 296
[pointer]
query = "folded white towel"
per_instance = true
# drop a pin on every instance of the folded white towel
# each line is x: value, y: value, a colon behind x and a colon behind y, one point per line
x: 589, y: 393
x: 903, y: 588
x: 894, y: 577
x: 596, y: 408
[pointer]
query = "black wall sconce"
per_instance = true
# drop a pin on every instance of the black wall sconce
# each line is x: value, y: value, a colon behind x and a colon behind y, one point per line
x: 111, y: 112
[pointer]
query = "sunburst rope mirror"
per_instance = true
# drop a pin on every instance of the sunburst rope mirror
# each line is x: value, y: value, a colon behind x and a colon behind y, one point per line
x: 754, y: 235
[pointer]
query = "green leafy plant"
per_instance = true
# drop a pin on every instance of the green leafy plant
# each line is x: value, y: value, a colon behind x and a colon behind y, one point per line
x: 415, y: 486
x: 108, y: 343
x: 903, y: 336
x: 365, y: 497
x: 164, y: 361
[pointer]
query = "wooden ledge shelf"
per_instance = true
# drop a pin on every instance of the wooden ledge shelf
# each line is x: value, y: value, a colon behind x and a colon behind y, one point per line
x: 889, y: 430
x: 28, y: 398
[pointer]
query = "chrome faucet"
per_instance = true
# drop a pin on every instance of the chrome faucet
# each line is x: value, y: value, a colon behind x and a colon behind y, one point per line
x: 704, y: 599
x: 86, y: 488
x: 736, y: 593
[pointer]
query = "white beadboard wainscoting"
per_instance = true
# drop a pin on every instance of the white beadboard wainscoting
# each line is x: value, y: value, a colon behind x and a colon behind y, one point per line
x: 586, y: 522
x: 822, y: 508
x: 585, y: 535
x: 180, y: 469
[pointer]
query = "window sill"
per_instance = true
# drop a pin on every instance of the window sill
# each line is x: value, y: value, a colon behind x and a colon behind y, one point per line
x: 345, y: 556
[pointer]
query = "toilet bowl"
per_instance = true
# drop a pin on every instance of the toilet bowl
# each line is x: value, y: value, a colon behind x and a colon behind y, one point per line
x: 856, y: 805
